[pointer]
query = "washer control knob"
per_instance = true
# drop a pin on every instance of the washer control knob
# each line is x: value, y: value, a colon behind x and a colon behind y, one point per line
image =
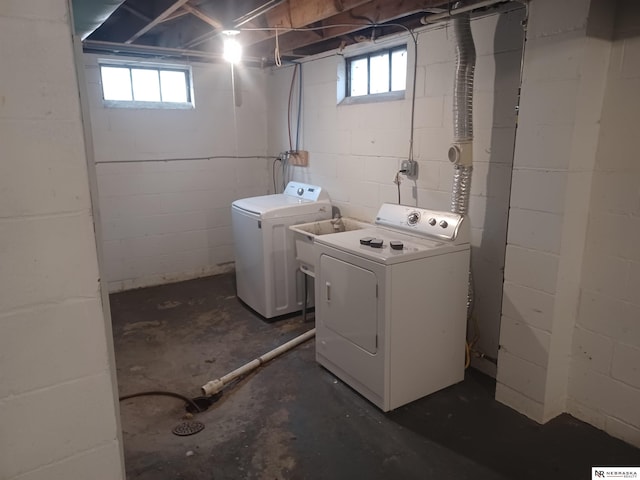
x: 443, y: 224
x: 432, y: 221
x: 413, y: 218
x: 300, y: 191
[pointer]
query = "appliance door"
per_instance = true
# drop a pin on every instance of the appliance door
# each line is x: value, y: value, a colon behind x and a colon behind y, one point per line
x: 349, y: 323
x: 350, y: 302
x: 251, y: 282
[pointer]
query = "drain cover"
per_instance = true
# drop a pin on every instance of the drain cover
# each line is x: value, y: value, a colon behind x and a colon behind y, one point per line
x: 188, y: 428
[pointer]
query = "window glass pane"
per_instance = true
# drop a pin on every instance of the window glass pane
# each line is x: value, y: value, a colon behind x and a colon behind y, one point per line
x: 173, y: 85
x: 398, y: 70
x: 380, y: 73
x: 359, y: 77
x: 146, y: 85
x: 116, y: 83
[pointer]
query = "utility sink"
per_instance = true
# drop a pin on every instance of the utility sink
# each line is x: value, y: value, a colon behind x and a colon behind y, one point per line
x: 305, y: 234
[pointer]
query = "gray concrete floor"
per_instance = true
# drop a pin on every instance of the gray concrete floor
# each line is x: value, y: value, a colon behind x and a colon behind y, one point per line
x: 292, y: 419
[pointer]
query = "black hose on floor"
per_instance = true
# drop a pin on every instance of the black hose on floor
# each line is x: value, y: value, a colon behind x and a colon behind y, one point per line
x: 193, y: 404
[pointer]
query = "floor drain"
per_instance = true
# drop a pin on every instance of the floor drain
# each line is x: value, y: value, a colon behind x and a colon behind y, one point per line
x: 188, y: 428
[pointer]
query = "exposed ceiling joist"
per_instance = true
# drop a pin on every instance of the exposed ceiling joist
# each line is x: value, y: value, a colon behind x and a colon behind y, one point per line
x: 215, y: 23
x: 136, y: 12
x: 159, y: 19
x: 305, y: 12
x: 257, y: 12
x: 175, y: 15
x: 304, y: 27
x: 293, y: 15
x: 378, y: 11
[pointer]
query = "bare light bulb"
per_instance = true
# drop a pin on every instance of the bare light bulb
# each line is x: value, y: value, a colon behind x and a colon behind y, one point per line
x: 232, y: 48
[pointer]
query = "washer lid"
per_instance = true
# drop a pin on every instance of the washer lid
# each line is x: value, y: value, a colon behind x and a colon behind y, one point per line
x: 281, y: 205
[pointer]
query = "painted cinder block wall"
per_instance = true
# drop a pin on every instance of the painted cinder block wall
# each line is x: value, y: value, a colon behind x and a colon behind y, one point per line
x: 167, y: 221
x: 569, y: 336
x: 58, y: 407
x: 564, y: 77
x: 356, y: 150
x: 604, y: 386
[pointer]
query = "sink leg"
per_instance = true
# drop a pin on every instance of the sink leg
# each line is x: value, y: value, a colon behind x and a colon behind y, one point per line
x: 305, y: 301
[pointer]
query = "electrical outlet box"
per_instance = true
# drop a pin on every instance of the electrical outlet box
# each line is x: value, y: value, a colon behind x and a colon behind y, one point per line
x: 409, y: 168
x: 299, y: 158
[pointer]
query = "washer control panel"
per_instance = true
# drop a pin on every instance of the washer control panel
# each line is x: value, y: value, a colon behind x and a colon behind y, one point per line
x: 304, y: 191
x: 420, y: 221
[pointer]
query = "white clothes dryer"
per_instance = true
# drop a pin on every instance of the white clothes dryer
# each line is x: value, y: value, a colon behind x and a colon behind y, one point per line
x: 391, y: 304
x: 267, y: 276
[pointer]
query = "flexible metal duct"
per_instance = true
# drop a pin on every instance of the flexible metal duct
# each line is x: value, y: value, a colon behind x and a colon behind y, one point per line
x: 463, y: 87
x: 461, y: 152
x: 461, y: 189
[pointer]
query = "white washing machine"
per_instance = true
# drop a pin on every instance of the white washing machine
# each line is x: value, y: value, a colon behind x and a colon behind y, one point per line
x: 391, y: 304
x: 267, y: 276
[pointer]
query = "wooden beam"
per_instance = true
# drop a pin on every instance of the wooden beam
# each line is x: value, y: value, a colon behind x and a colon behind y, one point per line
x: 300, y: 13
x: 200, y: 39
x: 304, y: 12
x: 256, y: 13
x: 174, y: 15
x: 382, y: 11
x: 215, y: 23
x: 137, y: 13
x: 159, y: 19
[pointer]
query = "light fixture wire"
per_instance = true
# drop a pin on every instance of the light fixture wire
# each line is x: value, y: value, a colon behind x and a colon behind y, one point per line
x: 276, y: 53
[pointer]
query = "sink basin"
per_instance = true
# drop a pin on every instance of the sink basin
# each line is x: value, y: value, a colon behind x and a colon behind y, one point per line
x: 305, y: 234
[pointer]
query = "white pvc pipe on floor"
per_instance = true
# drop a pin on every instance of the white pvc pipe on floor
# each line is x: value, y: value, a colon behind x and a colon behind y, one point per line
x: 215, y: 386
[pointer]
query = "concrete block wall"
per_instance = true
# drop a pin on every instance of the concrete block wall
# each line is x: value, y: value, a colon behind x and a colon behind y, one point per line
x: 569, y: 337
x: 564, y: 76
x: 356, y: 150
x: 167, y: 221
x: 604, y: 386
x: 58, y: 407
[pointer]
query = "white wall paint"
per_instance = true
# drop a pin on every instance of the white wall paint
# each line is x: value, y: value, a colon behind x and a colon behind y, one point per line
x: 564, y: 74
x: 57, y: 401
x: 605, y: 370
x: 570, y: 339
x: 355, y: 150
x: 169, y: 221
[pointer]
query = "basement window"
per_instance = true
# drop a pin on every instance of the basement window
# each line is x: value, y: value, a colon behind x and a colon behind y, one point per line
x: 381, y: 73
x: 146, y: 86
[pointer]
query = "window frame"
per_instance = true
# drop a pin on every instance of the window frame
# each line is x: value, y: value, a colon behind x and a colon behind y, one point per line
x: 390, y: 94
x: 158, y: 67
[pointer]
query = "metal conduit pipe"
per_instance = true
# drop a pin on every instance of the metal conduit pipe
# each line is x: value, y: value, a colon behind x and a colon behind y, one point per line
x: 436, y: 17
